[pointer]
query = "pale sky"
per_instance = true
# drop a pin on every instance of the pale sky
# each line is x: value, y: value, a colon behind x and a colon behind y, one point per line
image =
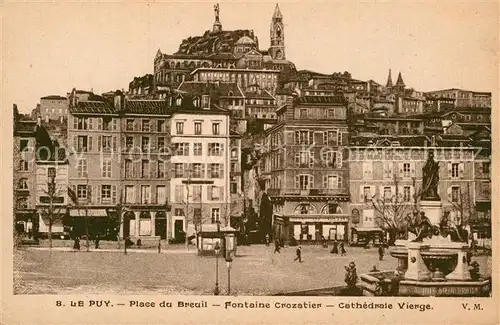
x: 50, y: 48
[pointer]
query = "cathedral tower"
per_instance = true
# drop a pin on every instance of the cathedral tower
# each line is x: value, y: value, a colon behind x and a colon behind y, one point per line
x: 277, y: 49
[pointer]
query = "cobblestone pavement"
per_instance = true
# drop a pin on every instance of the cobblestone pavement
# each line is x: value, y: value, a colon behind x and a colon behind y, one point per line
x: 255, y: 271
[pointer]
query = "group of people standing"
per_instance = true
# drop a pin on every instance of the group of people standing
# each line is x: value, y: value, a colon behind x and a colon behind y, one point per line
x: 338, y: 247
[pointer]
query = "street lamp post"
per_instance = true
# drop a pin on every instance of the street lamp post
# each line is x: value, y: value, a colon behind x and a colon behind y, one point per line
x: 229, y: 262
x: 217, y: 250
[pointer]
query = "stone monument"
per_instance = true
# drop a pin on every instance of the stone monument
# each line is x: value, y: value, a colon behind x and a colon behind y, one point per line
x: 430, y: 202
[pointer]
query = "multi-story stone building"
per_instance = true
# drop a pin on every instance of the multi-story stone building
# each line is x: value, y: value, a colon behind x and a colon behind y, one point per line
x: 463, y: 98
x: 199, y: 178
x: 264, y: 78
x: 144, y: 171
x: 53, y: 107
x: 307, y: 174
x: 24, y: 184
x: 51, y: 205
x: 94, y: 162
x: 260, y: 104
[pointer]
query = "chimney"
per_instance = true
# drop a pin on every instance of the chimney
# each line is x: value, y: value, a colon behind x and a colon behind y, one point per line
x: 92, y: 90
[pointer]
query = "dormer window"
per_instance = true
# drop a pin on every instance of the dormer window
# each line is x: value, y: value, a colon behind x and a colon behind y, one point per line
x: 196, y: 102
x: 230, y: 93
x: 205, y: 101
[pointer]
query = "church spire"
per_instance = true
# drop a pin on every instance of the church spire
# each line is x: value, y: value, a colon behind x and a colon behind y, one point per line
x: 389, y: 80
x: 277, y: 12
x: 400, y: 82
x: 277, y: 49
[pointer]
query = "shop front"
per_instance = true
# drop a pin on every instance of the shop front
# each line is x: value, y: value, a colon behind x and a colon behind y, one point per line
x: 311, y: 228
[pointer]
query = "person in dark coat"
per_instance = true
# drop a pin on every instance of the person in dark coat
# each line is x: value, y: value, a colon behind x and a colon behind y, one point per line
x: 267, y: 239
x: 342, y: 249
x: 277, y: 246
x: 335, y: 248
x: 298, y: 253
x: 76, y: 245
x: 381, y: 252
x: 96, y: 241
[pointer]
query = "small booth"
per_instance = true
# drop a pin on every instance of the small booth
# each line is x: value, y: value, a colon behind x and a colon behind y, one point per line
x: 211, y: 234
x: 364, y: 236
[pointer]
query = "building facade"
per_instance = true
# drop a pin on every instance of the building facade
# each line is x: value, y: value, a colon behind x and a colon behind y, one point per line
x: 200, y: 168
x: 53, y: 107
x: 306, y: 170
x: 24, y: 182
x: 94, y: 164
x: 463, y: 98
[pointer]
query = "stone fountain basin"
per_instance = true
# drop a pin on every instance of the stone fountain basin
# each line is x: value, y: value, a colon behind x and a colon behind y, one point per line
x: 381, y: 283
x: 444, y: 260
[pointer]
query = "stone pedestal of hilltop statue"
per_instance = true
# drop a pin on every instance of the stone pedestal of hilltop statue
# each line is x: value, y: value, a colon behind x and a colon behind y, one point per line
x: 433, y: 211
x: 461, y: 271
x: 417, y: 270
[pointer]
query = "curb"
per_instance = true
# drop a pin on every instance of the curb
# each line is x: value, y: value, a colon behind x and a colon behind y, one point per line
x: 140, y: 251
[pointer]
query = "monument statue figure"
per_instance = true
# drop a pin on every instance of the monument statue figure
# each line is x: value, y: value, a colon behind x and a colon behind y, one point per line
x: 216, y: 10
x: 430, y: 180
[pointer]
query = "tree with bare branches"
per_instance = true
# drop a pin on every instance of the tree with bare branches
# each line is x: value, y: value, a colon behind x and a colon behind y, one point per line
x: 53, y: 213
x: 394, y: 214
x: 464, y: 208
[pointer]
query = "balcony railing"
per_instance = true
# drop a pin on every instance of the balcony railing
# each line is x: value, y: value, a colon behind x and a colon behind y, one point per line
x: 306, y: 192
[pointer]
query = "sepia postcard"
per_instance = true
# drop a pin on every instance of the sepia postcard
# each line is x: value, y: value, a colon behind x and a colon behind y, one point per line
x: 250, y: 162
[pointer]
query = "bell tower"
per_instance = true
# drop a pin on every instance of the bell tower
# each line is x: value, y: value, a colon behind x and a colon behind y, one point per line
x: 277, y: 49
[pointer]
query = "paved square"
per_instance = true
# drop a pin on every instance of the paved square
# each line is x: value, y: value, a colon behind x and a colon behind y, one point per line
x: 255, y: 271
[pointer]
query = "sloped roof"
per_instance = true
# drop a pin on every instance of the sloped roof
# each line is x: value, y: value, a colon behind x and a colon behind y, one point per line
x: 93, y: 107
x: 321, y: 100
x: 153, y: 107
x: 373, y: 140
x: 54, y: 97
x: 220, y: 89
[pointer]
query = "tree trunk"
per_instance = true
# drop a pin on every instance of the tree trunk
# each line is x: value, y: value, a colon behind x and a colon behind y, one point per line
x: 50, y: 231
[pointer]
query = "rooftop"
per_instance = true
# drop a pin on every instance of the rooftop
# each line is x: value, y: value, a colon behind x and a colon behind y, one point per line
x: 313, y: 99
x: 93, y: 107
x: 150, y: 107
x: 54, y: 97
x: 221, y: 89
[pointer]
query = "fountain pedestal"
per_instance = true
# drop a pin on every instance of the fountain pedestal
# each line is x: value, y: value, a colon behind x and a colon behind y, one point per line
x: 461, y: 271
x: 417, y: 270
x: 433, y: 210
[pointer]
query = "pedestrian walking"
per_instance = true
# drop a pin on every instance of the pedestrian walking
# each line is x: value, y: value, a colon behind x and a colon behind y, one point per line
x: 381, y: 252
x: 277, y: 246
x: 298, y: 253
x: 96, y: 241
x: 342, y: 249
x: 267, y: 239
x: 76, y: 245
x: 324, y: 242
x: 335, y: 248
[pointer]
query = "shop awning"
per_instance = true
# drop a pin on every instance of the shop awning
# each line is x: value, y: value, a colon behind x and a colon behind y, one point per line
x: 89, y: 213
x: 366, y: 229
